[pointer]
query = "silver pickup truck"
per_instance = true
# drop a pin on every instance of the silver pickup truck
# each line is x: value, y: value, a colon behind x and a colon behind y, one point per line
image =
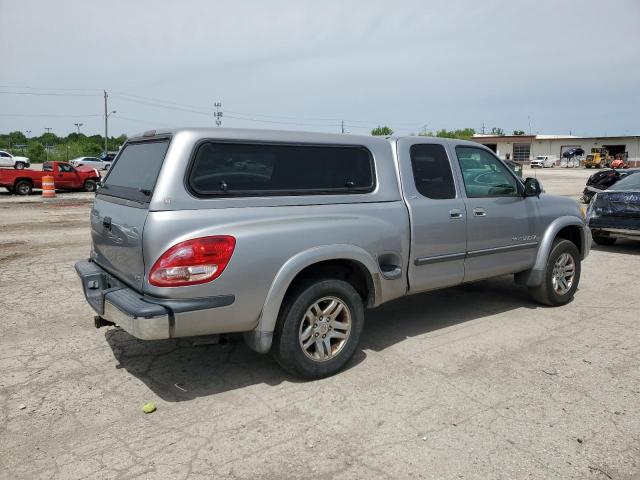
x: 289, y: 236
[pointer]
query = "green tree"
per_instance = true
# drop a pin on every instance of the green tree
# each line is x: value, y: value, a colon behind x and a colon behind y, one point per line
x: 463, y: 134
x: 382, y: 131
x: 36, y: 152
x: 497, y: 131
x: 518, y: 132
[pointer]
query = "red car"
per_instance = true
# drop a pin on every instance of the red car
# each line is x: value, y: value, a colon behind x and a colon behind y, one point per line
x: 66, y: 177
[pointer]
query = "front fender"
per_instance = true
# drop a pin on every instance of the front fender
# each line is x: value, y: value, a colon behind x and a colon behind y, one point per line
x: 535, y: 275
x: 260, y: 339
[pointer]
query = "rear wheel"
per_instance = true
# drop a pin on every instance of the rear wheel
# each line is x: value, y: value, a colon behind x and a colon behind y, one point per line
x: 601, y: 240
x: 89, y: 185
x: 23, y: 187
x: 318, y: 328
x: 19, y: 165
x: 561, y: 276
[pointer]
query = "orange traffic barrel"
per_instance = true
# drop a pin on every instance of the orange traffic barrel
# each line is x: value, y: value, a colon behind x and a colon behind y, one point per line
x: 48, y: 187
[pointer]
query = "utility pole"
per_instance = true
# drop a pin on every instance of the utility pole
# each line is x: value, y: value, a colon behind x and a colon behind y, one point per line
x: 342, y: 127
x: 482, y: 131
x: 106, y: 128
x: 46, y: 147
x: 28, y: 133
x: 218, y: 113
x: 78, y: 125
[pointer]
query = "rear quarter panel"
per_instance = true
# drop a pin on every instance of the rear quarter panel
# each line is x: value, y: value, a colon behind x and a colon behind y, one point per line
x: 267, y: 237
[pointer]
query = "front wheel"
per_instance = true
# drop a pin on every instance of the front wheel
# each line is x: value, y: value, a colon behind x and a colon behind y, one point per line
x: 19, y: 166
x: 318, y: 328
x: 89, y: 186
x: 561, y: 275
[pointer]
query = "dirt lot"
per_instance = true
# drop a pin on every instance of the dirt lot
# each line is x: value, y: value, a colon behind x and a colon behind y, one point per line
x: 471, y: 382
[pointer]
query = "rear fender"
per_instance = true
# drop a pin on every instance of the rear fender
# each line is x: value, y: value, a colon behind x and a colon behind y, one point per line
x: 260, y: 339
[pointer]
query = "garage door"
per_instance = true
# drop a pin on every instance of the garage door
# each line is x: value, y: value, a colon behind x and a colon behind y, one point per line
x: 521, y: 152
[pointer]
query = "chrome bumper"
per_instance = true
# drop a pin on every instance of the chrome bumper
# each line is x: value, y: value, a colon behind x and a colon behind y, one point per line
x: 152, y: 328
x: 146, y: 317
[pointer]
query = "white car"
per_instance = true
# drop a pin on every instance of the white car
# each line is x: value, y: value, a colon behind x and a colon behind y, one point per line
x: 543, y: 161
x: 8, y: 160
x: 90, y: 162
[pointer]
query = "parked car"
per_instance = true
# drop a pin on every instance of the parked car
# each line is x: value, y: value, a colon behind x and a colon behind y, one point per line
x: 602, y: 180
x: 186, y: 241
x: 8, y: 160
x: 92, y: 162
x: 615, y: 213
x: 66, y: 177
x: 543, y: 161
x: 573, y: 152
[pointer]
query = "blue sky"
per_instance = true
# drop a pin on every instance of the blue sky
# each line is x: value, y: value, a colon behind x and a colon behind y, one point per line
x: 558, y: 66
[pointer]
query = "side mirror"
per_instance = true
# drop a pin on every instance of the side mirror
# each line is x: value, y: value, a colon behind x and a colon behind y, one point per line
x: 532, y: 187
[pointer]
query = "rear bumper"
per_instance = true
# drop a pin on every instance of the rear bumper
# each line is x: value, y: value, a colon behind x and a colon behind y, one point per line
x: 142, y: 316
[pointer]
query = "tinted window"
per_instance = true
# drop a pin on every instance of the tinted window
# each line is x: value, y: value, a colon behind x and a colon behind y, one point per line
x: 252, y: 169
x: 484, y: 175
x: 136, y: 170
x: 65, y: 168
x: 5, y: 155
x: 432, y: 171
x: 630, y: 182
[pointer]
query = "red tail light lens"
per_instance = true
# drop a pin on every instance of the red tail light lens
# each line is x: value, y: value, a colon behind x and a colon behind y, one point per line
x: 192, y: 262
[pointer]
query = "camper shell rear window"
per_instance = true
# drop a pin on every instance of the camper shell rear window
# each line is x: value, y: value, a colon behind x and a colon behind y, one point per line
x: 135, y: 170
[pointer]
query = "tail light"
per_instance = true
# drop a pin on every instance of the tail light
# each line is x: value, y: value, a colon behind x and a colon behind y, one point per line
x: 193, y: 262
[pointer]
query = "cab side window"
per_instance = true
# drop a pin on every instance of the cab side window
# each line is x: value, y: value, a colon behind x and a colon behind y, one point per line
x: 65, y: 168
x: 432, y: 171
x: 484, y: 175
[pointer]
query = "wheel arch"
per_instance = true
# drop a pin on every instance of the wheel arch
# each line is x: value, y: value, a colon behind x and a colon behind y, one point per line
x: 359, y: 266
x: 567, y: 227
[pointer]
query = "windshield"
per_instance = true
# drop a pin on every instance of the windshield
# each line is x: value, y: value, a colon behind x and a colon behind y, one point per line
x: 133, y: 175
x: 630, y: 182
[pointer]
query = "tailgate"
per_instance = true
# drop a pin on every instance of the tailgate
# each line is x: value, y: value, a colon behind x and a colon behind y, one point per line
x: 116, y: 232
x: 121, y: 207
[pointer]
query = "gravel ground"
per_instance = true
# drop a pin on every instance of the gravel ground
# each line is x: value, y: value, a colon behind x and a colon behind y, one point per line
x: 469, y: 382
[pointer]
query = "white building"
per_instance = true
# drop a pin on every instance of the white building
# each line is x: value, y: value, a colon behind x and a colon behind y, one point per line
x: 523, y: 148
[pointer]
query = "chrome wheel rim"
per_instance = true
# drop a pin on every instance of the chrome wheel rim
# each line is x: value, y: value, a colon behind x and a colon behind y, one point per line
x: 325, y: 329
x: 564, y: 272
x: 23, y: 189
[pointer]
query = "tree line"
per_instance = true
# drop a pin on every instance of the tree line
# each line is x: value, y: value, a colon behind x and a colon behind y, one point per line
x: 463, y: 133
x: 49, y: 146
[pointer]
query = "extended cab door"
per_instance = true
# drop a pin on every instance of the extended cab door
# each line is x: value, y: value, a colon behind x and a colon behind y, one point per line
x: 66, y: 176
x: 437, y: 213
x: 501, y: 224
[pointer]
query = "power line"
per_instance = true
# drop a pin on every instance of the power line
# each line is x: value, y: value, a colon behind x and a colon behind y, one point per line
x: 23, y: 87
x: 46, y: 115
x: 51, y: 94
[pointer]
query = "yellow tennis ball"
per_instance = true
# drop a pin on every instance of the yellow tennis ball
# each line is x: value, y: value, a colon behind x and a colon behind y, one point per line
x: 149, y: 407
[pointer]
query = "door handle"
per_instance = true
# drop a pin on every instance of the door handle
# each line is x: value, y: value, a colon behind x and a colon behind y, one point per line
x: 455, y: 213
x: 479, y: 212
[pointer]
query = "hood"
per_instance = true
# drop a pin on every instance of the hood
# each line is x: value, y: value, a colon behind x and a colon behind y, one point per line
x: 86, y: 168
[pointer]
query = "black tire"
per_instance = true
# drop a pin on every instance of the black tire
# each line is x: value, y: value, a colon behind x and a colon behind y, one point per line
x: 587, y: 166
x: 23, y: 187
x: 287, y: 349
x: 605, y: 241
x: 89, y: 185
x: 19, y: 165
x: 545, y: 293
